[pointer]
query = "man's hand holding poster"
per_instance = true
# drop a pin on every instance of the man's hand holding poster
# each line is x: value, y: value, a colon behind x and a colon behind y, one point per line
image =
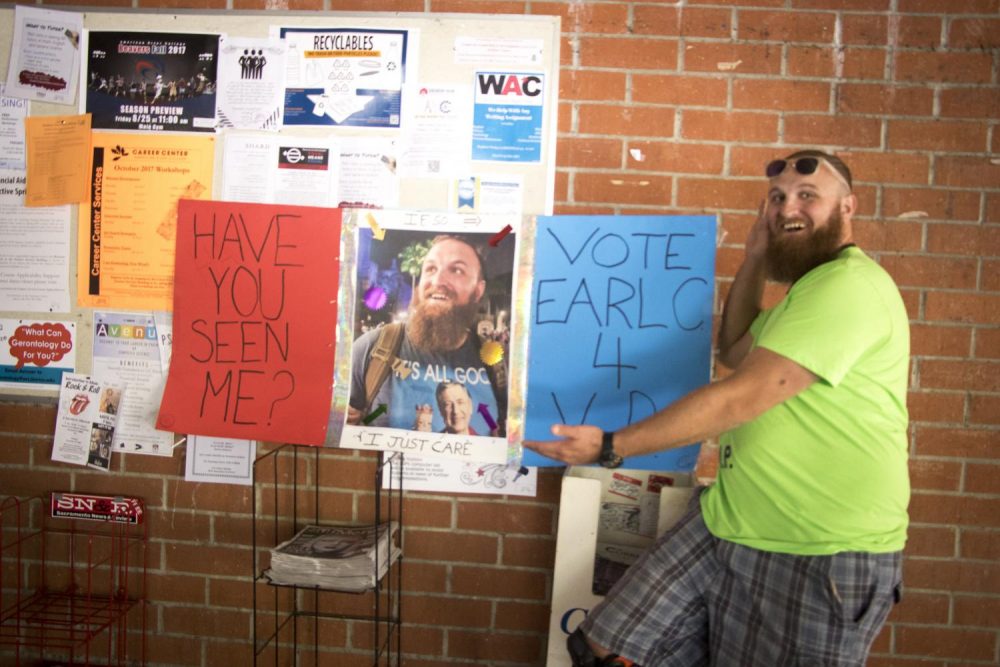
x: 432, y: 329
x: 621, y: 323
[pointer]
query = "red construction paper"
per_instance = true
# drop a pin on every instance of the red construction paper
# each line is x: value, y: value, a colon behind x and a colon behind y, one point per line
x: 255, y: 315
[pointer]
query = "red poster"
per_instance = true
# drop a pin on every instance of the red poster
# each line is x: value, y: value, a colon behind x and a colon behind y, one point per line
x: 255, y: 315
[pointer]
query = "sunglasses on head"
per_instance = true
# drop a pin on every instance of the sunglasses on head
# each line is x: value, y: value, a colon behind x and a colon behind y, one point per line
x: 804, y: 166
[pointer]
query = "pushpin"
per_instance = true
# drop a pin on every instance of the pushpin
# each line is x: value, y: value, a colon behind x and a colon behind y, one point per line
x: 521, y: 472
x: 375, y: 413
x: 375, y: 298
x: 498, y: 237
x: 485, y: 412
x: 377, y: 231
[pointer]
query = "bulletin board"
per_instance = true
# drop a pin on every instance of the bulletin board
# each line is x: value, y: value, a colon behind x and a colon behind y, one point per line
x: 459, y: 50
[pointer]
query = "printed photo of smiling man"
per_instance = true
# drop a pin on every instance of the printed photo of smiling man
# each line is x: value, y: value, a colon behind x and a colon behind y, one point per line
x: 432, y: 309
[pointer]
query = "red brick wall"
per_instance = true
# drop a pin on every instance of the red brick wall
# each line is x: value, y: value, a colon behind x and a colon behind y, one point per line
x: 906, y: 90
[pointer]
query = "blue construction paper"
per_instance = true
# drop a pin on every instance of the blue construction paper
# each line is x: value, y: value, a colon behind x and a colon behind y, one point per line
x: 621, y: 324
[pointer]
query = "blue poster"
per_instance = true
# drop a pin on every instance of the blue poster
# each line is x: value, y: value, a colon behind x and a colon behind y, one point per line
x: 507, y: 121
x: 621, y: 324
x: 344, y: 76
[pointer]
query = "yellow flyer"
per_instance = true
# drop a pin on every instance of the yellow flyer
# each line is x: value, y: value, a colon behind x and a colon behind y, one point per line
x: 128, y: 228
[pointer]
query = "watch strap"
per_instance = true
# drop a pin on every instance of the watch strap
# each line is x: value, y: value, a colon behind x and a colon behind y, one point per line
x: 609, y: 458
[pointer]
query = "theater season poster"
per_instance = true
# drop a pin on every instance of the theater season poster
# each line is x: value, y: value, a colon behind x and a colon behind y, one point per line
x: 150, y: 81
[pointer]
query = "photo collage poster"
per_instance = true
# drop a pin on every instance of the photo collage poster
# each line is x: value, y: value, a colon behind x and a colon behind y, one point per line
x: 440, y: 385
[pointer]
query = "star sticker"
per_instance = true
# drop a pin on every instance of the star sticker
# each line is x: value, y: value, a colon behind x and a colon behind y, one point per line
x: 491, y: 352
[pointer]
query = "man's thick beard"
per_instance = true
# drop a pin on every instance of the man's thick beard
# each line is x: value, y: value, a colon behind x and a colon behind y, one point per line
x: 442, y: 331
x: 789, y: 258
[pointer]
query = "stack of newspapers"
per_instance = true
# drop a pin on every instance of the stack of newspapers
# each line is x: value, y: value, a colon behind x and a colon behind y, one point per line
x: 337, y: 557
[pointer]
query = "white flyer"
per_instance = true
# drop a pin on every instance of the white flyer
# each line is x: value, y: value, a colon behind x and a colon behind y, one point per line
x: 251, y: 83
x: 85, y: 423
x: 126, y: 351
x: 446, y: 476
x: 281, y: 169
x: 34, y: 250
x: 13, y: 111
x: 219, y: 460
x: 498, y: 51
x: 45, y: 55
x: 438, y: 137
x: 496, y: 193
x: 369, y: 178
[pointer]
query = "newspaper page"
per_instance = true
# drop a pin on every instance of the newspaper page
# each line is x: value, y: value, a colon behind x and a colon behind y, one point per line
x: 629, y: 519
x: 341, y: 557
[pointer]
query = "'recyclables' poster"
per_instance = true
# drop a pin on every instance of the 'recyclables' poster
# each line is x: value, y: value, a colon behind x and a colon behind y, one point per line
x: 345, y: 76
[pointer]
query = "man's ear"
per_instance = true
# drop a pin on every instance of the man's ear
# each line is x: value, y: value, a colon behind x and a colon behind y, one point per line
x: 848, y: 206
x: 480, y: 290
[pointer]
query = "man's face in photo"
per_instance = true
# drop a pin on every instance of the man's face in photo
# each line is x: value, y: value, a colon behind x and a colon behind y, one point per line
x: 456, y: 408
x: 447, y: 296
x: 450, y: 276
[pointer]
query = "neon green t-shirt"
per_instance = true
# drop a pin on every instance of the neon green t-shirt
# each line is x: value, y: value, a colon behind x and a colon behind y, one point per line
x: 825, y: 471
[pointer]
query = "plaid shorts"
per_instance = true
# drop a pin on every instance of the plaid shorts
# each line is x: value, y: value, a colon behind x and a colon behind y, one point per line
x: 694, y: 599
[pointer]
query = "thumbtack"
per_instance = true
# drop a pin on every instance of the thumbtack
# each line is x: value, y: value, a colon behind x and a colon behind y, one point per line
x: 375, y: 413
x: 376, y: 298
x: 377, y: 231
x: 485, y: 412
x: 498, y: 237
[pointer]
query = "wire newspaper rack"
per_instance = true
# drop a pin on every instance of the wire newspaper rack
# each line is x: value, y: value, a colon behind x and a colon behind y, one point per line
x: 72, y: 589
x: 294, y: 624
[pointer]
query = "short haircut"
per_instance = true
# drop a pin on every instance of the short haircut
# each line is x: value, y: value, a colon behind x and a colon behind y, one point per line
x: 472, y: 246
x: 838, y: 165
x: 447, y: 384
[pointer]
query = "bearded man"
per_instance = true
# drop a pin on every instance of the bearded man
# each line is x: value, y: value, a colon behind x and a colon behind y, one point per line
x: 437, y: 344
x: 793, y: 556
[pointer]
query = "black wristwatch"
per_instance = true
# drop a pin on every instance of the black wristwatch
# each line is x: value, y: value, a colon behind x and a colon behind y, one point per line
x: 608, y: 458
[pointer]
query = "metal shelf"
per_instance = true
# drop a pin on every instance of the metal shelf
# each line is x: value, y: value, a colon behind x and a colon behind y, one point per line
x: 287, y: 618
x: 69, y: 588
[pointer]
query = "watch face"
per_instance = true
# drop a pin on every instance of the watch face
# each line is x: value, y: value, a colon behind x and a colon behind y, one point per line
x: 611, y: 460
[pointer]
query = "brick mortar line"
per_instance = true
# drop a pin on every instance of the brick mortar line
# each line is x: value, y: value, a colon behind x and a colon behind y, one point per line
x: 704, y: 177
x: 938, y: 49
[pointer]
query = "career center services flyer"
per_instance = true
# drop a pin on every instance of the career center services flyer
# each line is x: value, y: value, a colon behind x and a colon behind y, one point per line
x: 125, y: 256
